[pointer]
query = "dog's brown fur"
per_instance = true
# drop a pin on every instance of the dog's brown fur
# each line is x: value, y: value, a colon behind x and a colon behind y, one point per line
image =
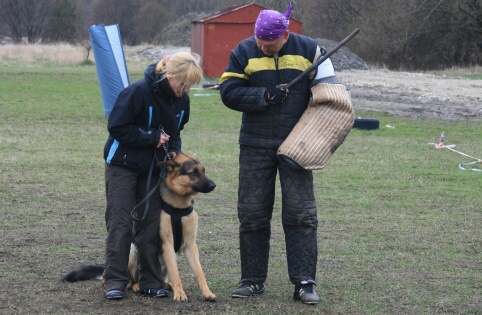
x: 185, y: 178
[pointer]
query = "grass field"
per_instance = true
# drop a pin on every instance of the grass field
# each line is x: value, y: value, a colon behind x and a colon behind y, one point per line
x: 400, y: 223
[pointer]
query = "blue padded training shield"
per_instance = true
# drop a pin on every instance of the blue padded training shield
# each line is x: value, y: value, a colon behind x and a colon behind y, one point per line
x: 110, y: 63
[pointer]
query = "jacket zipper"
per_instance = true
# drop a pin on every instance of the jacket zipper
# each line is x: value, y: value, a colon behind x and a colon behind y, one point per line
x: 277, y: 107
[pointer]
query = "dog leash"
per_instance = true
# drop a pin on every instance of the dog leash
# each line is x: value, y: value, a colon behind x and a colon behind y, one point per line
x: 146, y: 199
x: 165, y: 146
x: 149, y: 194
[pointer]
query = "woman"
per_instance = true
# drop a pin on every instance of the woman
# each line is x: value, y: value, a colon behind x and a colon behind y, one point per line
x: 144, y: 125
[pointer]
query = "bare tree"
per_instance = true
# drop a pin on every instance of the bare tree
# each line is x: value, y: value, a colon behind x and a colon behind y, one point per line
x: 150, y: 20
x: 24, y: 18
x: 62, y: 22
x: 10, y: 14
x: 34, y: 13
x: 120, y: 12
x: 468, y: 29
x: 415, y: 34
x: 446, y: 33
x: 412, y: 34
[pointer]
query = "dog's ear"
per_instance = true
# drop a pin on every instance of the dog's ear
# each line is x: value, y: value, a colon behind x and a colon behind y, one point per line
x: 164, y: 162
x: 172, y: 165
x: 167, y: 164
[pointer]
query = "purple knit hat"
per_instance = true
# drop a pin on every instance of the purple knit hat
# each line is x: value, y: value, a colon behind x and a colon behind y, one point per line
x: 271, y: 24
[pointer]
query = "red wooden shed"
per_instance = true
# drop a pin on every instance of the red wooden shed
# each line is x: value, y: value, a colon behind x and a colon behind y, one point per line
x: 214, y: 36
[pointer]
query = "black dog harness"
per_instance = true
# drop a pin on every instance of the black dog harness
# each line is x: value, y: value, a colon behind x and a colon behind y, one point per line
x: 176, y: 222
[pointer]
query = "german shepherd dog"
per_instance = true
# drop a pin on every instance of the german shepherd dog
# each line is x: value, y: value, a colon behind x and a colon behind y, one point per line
x: 184, y: 178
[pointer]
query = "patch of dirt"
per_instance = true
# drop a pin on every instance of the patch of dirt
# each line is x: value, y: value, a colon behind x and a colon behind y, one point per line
x: 155, y: 54
x: 415, y: 95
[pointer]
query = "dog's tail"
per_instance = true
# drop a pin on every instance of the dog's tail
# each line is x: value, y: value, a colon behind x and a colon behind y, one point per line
x: 82, y: 273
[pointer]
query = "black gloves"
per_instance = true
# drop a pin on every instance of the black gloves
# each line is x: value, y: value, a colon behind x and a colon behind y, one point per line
x: 274, y: 95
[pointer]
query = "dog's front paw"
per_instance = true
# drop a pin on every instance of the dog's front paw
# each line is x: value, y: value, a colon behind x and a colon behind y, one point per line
x: 209, y: 296
x: 180, y: 296
x: 135, y: 287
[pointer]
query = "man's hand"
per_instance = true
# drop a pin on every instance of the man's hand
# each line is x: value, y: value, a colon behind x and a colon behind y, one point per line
x: 275, y: 95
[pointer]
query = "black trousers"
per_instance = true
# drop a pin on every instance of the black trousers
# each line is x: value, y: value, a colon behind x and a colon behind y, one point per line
x: 125, y: 188
x: 258, y: 168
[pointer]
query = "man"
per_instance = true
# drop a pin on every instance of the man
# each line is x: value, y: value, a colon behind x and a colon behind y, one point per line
x: 251, y: 85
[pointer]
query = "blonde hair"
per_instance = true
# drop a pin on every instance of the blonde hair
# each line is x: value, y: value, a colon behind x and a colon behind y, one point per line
x: 186, y: 67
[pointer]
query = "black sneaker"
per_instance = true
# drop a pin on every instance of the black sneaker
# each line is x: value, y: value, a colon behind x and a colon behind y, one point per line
x: 248, y: 288
x: 157, y: 293
x: 114, y: 295
x: 305, y: 293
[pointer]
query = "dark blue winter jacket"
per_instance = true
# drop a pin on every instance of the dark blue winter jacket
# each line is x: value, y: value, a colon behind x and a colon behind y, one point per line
x: 246, y: 78
x: 134, y: 124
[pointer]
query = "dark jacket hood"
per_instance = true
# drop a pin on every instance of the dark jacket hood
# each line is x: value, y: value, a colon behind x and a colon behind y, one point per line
x: 154, y: 82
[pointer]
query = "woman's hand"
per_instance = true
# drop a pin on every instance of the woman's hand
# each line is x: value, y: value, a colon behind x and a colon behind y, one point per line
x: 163, y: 140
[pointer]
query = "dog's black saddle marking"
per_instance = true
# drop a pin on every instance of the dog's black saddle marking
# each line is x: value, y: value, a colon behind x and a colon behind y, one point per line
x: 176, y: 222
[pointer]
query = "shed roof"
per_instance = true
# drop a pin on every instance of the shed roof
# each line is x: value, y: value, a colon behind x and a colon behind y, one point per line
x: 220, y: 15
x: 226, y: 11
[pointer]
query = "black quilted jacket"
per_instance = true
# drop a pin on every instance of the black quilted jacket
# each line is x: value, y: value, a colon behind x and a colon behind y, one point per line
x: 246, y: 78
